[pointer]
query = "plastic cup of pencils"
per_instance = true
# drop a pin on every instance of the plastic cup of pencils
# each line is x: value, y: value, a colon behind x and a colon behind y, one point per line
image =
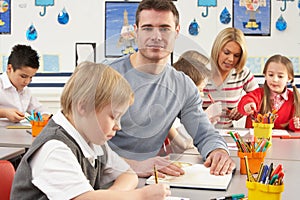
x: 37, y: 127
x: 254, y: 159
x: 263, y: 130
x: 258, y: 190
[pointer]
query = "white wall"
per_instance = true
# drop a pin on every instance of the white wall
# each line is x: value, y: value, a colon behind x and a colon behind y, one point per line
x: 87, y: 24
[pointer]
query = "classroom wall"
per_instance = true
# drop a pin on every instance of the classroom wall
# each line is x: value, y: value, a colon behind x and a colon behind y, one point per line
x: 87, y: 24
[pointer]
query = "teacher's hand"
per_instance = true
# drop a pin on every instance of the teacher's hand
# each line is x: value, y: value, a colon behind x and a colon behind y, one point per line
x: 219, y: 162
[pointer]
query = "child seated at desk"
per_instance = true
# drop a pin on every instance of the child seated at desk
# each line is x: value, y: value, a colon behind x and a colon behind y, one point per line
x: 274, y: 95
x: 70, y: 159
x: 16, y: 98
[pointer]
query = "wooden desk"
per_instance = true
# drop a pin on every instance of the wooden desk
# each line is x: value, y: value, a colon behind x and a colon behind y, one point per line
x: 238, y: 183
x: 15, y: 138
x: 7, y: 153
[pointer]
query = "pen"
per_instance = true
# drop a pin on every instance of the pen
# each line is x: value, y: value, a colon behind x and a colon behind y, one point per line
x: 277, y: 170
x: 269, y: 174
x: 273, y: 179
x: 234, y: 196
x: 264, y: 174
x: 155, y: 174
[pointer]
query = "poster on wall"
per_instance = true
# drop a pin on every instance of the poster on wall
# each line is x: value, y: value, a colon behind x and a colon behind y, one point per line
x: 120, y: 38
x: 252, y: 17
x: 5, y: 18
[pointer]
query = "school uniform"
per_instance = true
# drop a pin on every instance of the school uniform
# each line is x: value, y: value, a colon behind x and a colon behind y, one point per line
x: 60, y: 164
x: 11, y: 98
x: 284, y: 104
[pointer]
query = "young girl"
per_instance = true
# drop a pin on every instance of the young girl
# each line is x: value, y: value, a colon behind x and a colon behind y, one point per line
x: 70, y: 159
x: 274, y: 95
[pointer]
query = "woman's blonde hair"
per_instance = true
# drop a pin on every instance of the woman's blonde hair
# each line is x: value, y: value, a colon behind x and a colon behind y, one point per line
x: 93, y: 86
x: 266, y: 104
x: 225, y: 36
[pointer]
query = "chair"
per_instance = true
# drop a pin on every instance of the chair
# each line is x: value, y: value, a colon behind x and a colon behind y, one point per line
x: 7, y: 173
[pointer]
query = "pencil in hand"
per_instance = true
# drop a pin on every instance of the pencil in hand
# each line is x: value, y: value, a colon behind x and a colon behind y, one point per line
x: 155, y: 174
x: 210, y: 97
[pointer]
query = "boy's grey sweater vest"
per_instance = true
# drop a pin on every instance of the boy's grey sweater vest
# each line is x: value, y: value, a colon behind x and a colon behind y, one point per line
x: 22, y: 186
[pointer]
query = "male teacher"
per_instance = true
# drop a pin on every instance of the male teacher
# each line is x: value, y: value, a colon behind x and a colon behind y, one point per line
x: 161, y: 95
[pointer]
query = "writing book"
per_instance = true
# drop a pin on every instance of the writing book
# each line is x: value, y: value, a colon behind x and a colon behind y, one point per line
x: 196, y: 176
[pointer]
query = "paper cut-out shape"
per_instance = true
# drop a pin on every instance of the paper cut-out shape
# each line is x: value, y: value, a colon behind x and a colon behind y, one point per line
x: 207, y: 3
x: 44, y: 3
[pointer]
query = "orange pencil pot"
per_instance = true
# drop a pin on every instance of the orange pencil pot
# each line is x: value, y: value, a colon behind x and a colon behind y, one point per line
x: 37, y: 127
x: 254, y: 160
x: 262, y: 130
x: 264, y: 191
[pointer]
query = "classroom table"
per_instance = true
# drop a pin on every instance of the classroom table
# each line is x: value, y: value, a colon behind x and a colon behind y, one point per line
x: 7, y: 153
x: 281, y: 149
x: 15, y: 138
x: 238, y: 182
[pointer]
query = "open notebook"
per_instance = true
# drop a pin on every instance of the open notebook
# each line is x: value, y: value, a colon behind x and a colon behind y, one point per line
x: 196, y: 176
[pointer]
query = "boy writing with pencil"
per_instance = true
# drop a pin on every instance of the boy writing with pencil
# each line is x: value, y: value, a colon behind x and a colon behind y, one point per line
x: 70, y: 159
x: 16, y: 98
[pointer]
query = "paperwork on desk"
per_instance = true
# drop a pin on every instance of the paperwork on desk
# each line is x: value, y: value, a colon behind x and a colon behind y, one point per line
x: 196, y: 176
x: 224, y: 132
x: 275, y: 132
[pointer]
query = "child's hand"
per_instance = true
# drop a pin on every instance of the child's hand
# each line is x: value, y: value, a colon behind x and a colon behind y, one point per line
x: 296, y: 122
x: 14, y: 115
x: 250, y: 108
x: 156, y: 191
x: 234, y: 114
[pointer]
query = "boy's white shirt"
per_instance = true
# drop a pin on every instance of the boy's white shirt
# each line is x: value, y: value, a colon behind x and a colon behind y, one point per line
x: 11, y: 98
x: 56, y: 171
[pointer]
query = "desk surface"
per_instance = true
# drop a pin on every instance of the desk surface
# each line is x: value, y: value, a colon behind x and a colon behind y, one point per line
x: 281, y: 149
x: 15, y: 138
x: 238, y: 182
x: 7, y: 153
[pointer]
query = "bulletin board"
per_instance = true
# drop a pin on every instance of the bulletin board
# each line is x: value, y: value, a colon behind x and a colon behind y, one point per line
x: 5, y: 17
x: 120, y: 37
x: 252, y: 17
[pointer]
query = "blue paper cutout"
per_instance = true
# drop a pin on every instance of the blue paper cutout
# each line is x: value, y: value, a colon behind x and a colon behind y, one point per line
x: 51, y: 63
x: 281, y: 24
x: 44, y: 3
x: 207, y: 3
x: 31, y: 33
x: 63, y: 17
x: 194, y: 28
x: 225, y: 16
x: 284, y: 5
x: 4, y: 63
